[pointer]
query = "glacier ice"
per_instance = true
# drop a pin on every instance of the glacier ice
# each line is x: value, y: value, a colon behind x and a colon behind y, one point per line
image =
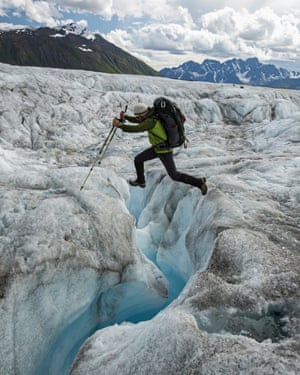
x: 156, y: 280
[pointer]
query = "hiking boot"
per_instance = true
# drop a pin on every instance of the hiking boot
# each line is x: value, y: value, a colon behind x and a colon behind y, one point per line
x: 202, y: 185
x: 136, y: 183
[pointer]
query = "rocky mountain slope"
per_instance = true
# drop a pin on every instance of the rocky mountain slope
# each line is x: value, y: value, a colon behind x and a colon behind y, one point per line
x: 69, y: 48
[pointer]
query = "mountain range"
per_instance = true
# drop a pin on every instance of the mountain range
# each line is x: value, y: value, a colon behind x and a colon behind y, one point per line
x: 68, y: 47
x: 236, y: 71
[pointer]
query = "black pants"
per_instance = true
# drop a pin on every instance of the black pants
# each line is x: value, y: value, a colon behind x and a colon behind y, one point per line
x: 168, y: 162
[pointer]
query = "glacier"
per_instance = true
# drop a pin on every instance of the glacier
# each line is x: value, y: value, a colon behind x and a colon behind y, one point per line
x: 121, y: 280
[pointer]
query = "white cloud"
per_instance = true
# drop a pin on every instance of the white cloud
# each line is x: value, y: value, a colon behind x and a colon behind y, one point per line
x: 196, y: 7
x: 159, y: 10
x: 162, y: 37
x: 227, y: 32
x: 42, y: 12
x: 102, y: 8
x: 39, y: 11
x: 46, y: 11
x: 10, y: 26
x: 121, y: 38
x: 266, y: 29
x: 224, y: 20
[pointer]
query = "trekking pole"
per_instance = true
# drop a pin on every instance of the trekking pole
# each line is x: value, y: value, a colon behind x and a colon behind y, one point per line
x: 101, y: 153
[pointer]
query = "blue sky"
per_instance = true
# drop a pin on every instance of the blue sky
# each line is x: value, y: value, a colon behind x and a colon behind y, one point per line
x: 166, y: 33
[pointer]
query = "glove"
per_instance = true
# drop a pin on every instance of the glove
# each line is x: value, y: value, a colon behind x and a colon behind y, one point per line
x: 116, y: 123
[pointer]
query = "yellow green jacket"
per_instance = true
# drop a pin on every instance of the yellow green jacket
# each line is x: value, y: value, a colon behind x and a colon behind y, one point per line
x: 156, y: 132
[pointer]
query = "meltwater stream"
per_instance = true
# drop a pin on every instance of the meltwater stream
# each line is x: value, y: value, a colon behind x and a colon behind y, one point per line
x: 132, y: 304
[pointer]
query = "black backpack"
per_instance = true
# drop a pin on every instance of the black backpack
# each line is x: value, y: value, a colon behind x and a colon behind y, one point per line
x: 172, y: 119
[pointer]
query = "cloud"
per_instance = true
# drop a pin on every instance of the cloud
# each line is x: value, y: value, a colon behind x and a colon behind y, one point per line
x: 221, y: 34
x: 197, y: 8
x: 161, y: 37
x: 39, y: 11
x: 42, y: 12
x: 262, y: 33
x: 266, y: 29
x: 122, y: 39
x: 48, y: 11
x: 10, y: 26
x: 102, y: 8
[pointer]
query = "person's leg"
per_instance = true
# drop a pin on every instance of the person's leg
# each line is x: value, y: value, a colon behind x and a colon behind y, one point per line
x: 139, y: 160
x: 169, y: 164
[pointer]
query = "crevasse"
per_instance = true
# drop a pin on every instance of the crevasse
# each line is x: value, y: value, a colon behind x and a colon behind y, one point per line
x: 156, y: 220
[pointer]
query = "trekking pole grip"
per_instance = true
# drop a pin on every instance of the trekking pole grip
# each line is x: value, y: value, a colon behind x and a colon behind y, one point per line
x: 122, y: 119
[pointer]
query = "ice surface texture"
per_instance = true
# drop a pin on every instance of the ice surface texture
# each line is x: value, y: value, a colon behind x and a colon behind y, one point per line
x: 75, y: 261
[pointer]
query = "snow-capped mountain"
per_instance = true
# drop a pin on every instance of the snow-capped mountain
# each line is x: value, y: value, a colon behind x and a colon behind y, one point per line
x: 119, y: 280
x: 69, y: 47
x: 236, y: 71
x: 76, y: 29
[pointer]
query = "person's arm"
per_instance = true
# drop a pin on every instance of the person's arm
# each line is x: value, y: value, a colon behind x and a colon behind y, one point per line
x: 133, y: 119
x: 141, y: 127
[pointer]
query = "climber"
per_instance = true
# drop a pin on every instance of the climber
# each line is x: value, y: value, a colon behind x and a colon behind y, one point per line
x: 146, y: 120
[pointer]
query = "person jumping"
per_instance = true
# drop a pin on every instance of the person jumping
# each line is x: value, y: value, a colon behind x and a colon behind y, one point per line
x: 145, y: 118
